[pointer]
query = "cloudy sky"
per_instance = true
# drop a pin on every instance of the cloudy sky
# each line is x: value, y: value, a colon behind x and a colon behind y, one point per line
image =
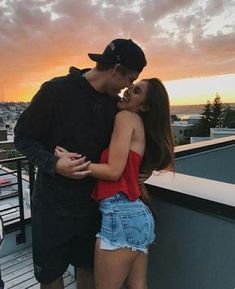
x: 189, y: 44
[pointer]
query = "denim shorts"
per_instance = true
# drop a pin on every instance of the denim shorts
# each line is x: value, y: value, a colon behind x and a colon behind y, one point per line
x: 125, y: 224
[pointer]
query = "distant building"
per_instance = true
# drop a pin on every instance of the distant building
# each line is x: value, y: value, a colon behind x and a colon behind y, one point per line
x: 221, y: 132
x: 182, y: 130
x: 1, y: 122
x: 3, y: 154
x: 3, y: 135
x: 7, y: 145
x: 215, y: 133
x: 194, y: 139
x: 194, y: 119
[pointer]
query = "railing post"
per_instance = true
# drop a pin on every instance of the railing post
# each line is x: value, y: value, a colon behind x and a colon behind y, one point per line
x: 31, y: 181
x: 20, y: 238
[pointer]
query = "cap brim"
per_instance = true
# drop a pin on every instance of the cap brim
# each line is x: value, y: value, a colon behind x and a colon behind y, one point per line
x: 95, y: 57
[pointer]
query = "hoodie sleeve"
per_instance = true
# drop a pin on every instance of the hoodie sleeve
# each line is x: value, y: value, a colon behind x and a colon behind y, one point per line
x: 33, y: 128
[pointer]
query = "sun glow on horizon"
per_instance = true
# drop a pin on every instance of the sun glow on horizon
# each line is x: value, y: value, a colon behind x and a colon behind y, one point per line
x: 187, y: 91
x: 199, y: 90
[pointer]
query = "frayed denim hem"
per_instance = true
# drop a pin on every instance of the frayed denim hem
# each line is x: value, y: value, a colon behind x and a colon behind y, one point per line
x: 105, y: 244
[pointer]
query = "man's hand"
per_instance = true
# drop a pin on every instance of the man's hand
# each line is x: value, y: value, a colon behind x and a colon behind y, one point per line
x: 60, y: 152
x: 72, y: 165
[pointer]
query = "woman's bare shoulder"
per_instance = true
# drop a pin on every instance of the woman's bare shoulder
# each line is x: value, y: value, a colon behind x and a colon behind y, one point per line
x: 125, y: 115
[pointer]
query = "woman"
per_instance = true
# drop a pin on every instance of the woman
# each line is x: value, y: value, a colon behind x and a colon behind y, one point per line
x: 141, y: 137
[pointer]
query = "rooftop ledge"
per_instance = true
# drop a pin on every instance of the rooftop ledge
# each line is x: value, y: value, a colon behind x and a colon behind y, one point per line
x: 204, y: 144
x: 219, y: 192
x: 195, y: 191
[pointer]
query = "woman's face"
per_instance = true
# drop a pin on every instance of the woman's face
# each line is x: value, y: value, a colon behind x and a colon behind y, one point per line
x: 134, y: 97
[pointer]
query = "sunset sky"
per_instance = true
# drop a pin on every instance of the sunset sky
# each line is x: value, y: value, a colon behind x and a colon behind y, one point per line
x: 189, y: 44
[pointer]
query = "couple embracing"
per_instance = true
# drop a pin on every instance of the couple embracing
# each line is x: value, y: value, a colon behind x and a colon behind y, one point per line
x: 93, y: 151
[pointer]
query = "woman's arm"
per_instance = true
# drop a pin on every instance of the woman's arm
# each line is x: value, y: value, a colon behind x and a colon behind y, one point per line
x: 118, y: 149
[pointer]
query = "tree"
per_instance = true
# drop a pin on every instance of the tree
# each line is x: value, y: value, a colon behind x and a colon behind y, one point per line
x: 217, y: 112
x: 205, y: 121
x: 174, y: 117
x: 228, y: 117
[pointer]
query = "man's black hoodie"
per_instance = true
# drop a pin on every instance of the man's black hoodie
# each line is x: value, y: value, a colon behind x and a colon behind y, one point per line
x: 66, y: 111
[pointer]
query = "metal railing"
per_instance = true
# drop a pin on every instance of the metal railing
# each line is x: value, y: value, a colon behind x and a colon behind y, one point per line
x: 12, y: 188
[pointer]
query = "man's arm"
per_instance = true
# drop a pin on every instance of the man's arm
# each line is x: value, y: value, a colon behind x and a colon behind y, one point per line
x: 32, y: 127
x: 31, y: 130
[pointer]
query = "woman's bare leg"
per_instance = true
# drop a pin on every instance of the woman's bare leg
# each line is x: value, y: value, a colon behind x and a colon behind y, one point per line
x: 112, y: 267
x: 136, y: 278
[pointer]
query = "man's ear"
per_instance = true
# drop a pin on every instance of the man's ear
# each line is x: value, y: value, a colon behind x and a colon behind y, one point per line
x: 116, y: 67
x: 115, y: 70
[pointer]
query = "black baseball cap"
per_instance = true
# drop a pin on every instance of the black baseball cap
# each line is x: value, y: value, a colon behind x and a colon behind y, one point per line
x: 122, y: 51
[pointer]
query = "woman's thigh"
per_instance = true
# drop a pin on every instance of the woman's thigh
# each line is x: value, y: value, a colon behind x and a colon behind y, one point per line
x: 137, y: 275
x: 112, y: 267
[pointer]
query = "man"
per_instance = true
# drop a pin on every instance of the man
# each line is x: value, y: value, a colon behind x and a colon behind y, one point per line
x: 76, y: 112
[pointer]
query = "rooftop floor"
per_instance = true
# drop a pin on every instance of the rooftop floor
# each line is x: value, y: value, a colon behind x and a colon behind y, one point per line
x: 17, y: 272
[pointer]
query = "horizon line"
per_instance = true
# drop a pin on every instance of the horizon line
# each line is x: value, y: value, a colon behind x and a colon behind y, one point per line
x: 196, y: 104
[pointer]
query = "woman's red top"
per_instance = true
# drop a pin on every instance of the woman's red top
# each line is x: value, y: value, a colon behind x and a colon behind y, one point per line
x: 128, y: 182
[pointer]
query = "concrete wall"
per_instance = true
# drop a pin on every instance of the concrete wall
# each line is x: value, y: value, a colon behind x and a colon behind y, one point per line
x: 192, y: 250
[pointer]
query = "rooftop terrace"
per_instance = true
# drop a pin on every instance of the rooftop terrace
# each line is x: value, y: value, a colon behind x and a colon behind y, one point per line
x: 195, y: 223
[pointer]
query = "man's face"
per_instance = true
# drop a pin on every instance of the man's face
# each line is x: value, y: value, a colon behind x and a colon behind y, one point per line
x: 120, y: 81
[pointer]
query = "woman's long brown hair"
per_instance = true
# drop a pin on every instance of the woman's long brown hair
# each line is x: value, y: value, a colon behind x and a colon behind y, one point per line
x: 159, y: 147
